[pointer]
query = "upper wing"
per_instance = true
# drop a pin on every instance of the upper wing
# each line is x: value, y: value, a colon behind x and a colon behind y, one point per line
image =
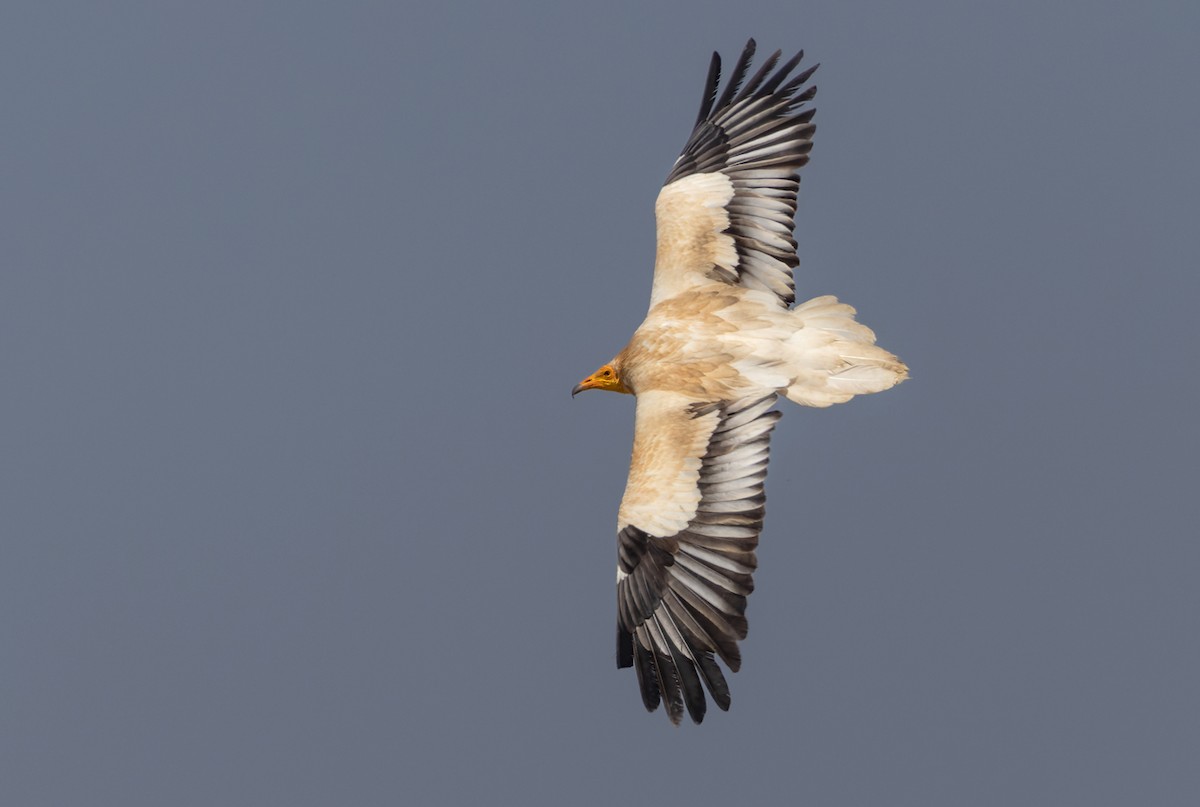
x: 688, y: 528
x: 727, y: 210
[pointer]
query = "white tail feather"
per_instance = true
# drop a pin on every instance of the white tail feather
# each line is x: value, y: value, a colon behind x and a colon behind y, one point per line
x: 833, y: 358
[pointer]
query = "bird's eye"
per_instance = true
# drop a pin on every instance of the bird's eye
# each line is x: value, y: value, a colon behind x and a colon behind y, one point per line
x: 607, y: 374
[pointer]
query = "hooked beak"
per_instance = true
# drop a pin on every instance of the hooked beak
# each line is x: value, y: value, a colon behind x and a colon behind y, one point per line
x: 580, y: 387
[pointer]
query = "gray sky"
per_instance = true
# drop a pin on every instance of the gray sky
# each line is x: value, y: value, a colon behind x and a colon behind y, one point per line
x: 297, y: 508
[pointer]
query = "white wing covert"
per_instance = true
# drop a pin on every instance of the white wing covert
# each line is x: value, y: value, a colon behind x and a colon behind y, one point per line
x: 727, y: 209
x: 682, y: 582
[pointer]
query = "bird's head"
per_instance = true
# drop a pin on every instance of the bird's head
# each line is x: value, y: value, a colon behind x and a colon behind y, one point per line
x: 607, y: 377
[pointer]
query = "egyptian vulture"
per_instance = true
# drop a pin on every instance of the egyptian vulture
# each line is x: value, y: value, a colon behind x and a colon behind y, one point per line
x: 721, y: 341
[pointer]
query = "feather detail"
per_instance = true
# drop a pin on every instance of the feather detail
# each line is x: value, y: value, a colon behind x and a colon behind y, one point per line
x: 726, y: 211
x: 683, y: 596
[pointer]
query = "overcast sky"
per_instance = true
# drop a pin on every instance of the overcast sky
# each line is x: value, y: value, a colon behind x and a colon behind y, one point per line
x: 297, y: 508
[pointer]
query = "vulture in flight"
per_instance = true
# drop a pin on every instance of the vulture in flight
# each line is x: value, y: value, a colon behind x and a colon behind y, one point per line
x: 723, y: 339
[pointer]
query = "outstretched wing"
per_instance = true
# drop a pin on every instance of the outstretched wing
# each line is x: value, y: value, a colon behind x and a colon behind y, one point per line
x: 728, y: 207
x: 686, y: 535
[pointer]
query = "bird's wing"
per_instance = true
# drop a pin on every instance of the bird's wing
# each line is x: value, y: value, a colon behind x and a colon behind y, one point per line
x: 687, y: 531
x: 727, y: 209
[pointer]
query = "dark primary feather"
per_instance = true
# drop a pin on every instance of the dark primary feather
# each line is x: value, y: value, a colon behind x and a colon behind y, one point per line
x: 710, y: 88
x: 739, y: 74
x: 759, y: 134
x: 683, y: 600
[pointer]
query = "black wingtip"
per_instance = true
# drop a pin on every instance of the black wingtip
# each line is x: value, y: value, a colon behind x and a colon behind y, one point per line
x: 669, y: 686
x: 690, y: 688
x: 738, y: 75
x: 782, y: 74
x: 647, y: 676
x: 752, y: 86
x: 624, y: 648
x: 711, y: 84
x: 798, y: 82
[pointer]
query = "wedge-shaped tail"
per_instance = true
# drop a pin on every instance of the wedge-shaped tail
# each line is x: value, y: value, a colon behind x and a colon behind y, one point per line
x: 833, y: 357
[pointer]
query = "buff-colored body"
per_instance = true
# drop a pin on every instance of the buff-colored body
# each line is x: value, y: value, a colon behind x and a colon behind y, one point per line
x: 717, y: 342
x: 720, y: 342
x: 707, y: 340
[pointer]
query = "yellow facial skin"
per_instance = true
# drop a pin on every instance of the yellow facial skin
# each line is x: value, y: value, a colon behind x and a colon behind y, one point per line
x: 605, y: 378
